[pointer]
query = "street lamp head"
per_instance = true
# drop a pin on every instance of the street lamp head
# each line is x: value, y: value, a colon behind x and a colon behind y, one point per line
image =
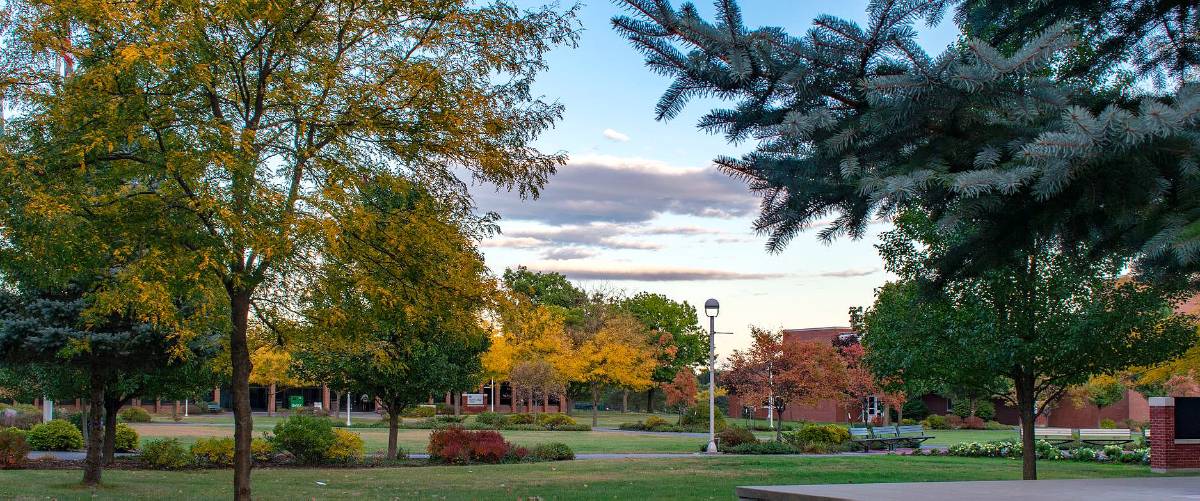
x: 711, y: 307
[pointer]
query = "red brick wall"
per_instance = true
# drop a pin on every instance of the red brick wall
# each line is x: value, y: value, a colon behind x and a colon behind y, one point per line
x: 1165, y: 454
x: 1070, y: 415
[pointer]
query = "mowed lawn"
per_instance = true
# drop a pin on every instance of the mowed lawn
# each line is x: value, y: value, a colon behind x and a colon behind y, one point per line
x: 581, y: 442
x: 375, y: 439
x: 682, y: 478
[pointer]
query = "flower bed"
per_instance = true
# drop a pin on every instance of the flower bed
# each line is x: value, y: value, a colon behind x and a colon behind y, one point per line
x: 1047, y: 451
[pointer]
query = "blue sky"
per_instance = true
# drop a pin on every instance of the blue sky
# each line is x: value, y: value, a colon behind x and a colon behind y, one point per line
x: 639, y: 207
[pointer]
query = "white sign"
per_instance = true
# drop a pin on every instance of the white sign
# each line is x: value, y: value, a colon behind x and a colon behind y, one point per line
x: 474, y: 398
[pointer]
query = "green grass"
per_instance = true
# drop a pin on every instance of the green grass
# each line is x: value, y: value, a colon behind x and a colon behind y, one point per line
x: 688, y: 478
x: 415, y: 440
x: 581, y: 442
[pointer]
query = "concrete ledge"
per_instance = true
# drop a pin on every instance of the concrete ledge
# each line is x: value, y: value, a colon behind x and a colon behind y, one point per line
x: 1162, y: 401
x: 1187, y: 441
x: 1127, y: 489
x: 1174, y: 470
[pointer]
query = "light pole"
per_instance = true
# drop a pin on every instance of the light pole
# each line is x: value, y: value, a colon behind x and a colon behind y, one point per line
x: 711, y: 308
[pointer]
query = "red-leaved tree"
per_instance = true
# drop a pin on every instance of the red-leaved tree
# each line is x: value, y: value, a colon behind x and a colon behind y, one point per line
x: 793, y: 372
x: 682, y: 390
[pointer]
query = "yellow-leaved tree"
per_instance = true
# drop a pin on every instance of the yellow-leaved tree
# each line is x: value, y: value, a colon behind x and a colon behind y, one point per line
x: 220, y: 129
x: 616, y: 353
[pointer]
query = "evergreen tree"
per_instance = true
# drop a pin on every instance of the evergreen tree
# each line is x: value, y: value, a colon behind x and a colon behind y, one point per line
x: 1039, y: 327
x: 1004, y: 143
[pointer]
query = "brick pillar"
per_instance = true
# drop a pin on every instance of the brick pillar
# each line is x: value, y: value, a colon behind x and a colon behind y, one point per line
x: 176, y: 411
x: 157, y: 405
x: 1166, y: 452
x: 217, y: 395
x: 325, y: 397
x: 271, y: 400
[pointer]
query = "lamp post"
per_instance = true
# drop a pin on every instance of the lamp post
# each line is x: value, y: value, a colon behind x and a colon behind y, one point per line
x: 711, y: 308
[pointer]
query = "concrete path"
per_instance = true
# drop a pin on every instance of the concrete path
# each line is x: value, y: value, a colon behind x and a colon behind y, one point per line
x: 71, y: 455
x: 657, y: 433
x: 1127, y: 489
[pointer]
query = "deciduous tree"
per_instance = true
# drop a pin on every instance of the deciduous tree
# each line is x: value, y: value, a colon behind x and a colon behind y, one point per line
x: 225, y: 129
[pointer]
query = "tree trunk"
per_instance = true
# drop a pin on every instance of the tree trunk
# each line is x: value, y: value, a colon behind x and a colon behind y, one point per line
x: 565, y: 402
x: 778, y: 424
x: 111, y: 405
x: 532, y: 402
x: 243, y: 421
x: 514, y: 398
x: 1024, y: 384
x: 595, y: 402
x: 94, y: 462
x: 625, y: 402
x: 650, y: 400
x: 393, y: 427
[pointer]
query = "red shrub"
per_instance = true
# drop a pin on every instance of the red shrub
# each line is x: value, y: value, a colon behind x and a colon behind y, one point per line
x: 974, y: 423
x: 954, y: 421
x: 456, y: 445
x: 13, y: 449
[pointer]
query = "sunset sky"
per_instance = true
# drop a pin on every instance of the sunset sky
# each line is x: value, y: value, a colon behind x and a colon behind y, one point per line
x: 639, y: 206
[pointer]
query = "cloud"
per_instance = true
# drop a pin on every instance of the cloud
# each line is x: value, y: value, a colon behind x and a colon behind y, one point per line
x: 848, y: 273
x: 615, y: 136
x: 600, y: 235
x: 621, y: 190
x: 650, y: 274
x: 567, y: 253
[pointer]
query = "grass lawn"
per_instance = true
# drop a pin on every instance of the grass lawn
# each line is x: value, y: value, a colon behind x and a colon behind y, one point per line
x: 581, y: 442
x: 688, y: 478
x: 415, y: 440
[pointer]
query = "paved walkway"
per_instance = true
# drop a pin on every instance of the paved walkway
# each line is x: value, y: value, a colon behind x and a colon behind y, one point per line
x: 80, y: 456
x: 1127, y: 489
x: 658, y: 433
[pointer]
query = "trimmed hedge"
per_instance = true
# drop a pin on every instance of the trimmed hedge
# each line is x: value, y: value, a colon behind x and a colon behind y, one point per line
x: 165, y: 454
x: 56, y: 435
x: 770, y: 447
x: 126, y: 438
x: 134, y: 415
x: 554, y: 451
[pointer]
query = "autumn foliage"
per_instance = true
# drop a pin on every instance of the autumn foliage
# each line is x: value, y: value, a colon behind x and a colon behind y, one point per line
x: 682, y: 390
x: 456, y: 445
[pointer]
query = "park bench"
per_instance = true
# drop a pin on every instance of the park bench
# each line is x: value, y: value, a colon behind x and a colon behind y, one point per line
x: 1056, y: 436
x: 913, y: 434
x: 1105, y: 436
x: 866, y: 438
x: 888, y: 437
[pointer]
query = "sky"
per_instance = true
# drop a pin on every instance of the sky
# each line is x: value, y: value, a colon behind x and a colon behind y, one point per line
x: 640, y: 207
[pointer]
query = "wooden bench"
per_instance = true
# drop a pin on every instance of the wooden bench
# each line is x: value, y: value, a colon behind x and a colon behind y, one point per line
x: 865, y: 438
x: 1056, y: 436
x: 912, y: 434
x: 1105, y: 436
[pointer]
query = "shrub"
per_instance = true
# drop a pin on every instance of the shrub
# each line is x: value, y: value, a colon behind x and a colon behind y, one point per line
x: 521, y: 427
x: 696, y: 416
x: 1084, y: 454
x: 14, y: 449
x: 915, y: 409
x: 555, y: 420
x: 734, y: 436
x: 489, y: 418
x: 554, y: 451
x: 908, y: 421
x: 763, y: 448
x: 456, y: 445
x: 973, y: 423
x: 213, y: 451
x: 984, y: 409
x: 56, y: 435
x: 23, y: 416
x: 125, y: 439
x: 165, y: 454
x: 134, y: 415
x: 261, y: 450
x: 1113, y: 452
x: 573, y: 427
x: 829, y: 434
x: 936, y: 422
x: 422, y: 411
x: 307, y: 438
x: 519, y: 419
x: 655, y: 422
x: 1108, y: 424
x: 638, y: 426
x: 448, y: 419
x: 953, y: 421
x: 347, y: 447
x: 995, y: 425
